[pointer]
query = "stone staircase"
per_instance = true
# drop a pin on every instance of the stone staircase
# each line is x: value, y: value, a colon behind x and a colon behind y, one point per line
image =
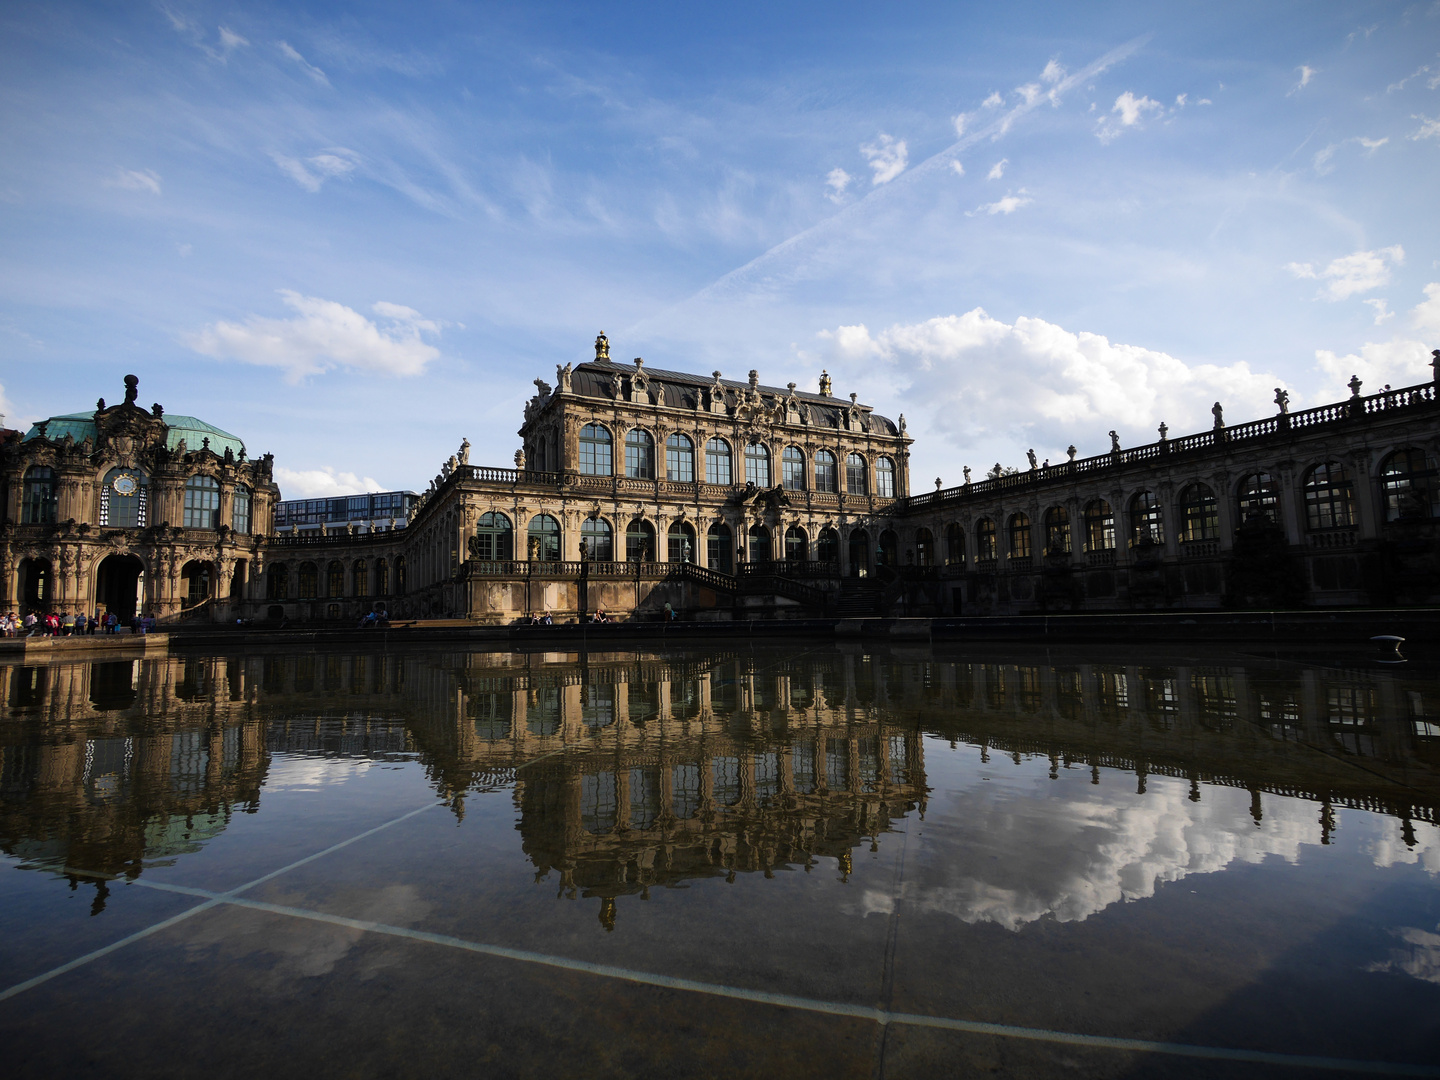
x: 859, y: 598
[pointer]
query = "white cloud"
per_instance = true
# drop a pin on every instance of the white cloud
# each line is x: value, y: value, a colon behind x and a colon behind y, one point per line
x: 290, y: 53
x: 887, y: 157
x: 1422, y: 70
x: 1030, y: 92
x: 1382, y: 312
x: 1180, y: 100
x: 837, y: 180
x: 322, y: 336
x: 1421, y: 960
x: 1372, y: 144
x: 994, y: 101
x: 312, y: 173
x: 1402, y: 361
x: 1428, y: 129
x: 1053, y: 73
x: 997, y: 170
x: 1322, y: 160
x: 1127, y: 111
x: 1350, y: 274
x: 1008, y: 205
x: 986, y: 383
x: 957, y: 168
x: 229, y: 40
x: 10, y: 415
x: 1306, y: 74
x: 960, y: 122
x: 322, y: 483
x: 1204, y: 101
x: 136, y: 180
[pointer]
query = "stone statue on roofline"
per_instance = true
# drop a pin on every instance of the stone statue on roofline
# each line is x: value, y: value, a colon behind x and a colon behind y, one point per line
x: 1031, y: 455
x: 465, y: 452
x: 1114, y: 443
x: 1282, y: 398
x: 1218, y: 412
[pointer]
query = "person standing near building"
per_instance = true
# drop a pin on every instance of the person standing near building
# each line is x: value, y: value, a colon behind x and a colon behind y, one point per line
x: 95, y: 621
x: 80, y: 622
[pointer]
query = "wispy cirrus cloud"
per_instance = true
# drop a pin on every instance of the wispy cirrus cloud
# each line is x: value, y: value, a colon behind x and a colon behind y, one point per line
x: 312, y: 172
x: 1323, y: 161
x: 1428, y: 129
x: 1357, y: 272
x: 1306, y: 74
x: 135, y: 180
x: 291, y: 53
x: 324, y: 335
x: 1007, y: 205
x: 997, y: 170
x: 887, y: 157
x: 837, y: 180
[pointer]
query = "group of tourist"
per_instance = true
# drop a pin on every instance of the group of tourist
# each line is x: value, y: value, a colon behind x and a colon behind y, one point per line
x: 64, y: 624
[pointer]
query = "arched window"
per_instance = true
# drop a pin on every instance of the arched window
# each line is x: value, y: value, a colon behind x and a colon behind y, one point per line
x: 1199, y: 514
x: 544, y: 538
x: 757, y: 465
x: 1147, y: 522
x: 640, y: 541
x: 202, y: 503
x: 596, y: 457
x: 335, y: 579
x: 198, y: 576
x: 826, y: 478
x: 494, y: 538
x: 277, y: 582
x: 759, y: 543
x: 382, y: 578
x: 680, y: 459
x: 1019, y: 536
x: 39, y: 496
x: 400, y: 569
x: 985, y: 546
x: 599, y: 539
x: 639, y: 455
x: 855, y: 475
x: 718, y: 546
x: 859, y: 553
x: 792, y: 469
x: 885, y: 478
x: 954, y: 544
x: 1329, y: 497
x: 1099, y: 526
x: 680, y: 546
x: 1259, y: 497
x: 307, y: 582
x: 717, y: 463
x: 360, y: 575
x: 889, y: 548
x: 1057, y: 531
x: 827, y: 547
x: 240, y: 509
x: 795, y: 544
x: 124, y: 499
x: 924, y: 547
x: 1407, y: 481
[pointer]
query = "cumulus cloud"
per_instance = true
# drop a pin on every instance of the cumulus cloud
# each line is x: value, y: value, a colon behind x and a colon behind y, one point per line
x: 988, y: 383
x: 1428, y: 129
x: 324, y: 335
x: 136, y: 180
x: 1402, y: 361
x: 1350, y: 274
x: 837, y: 180
x: 994, y: 101
x: 1008, y: 205
x: 322, y: 483
x: 887, y: 157
x: 1128, y: 111
x: 1420, y: 960
x: 998, y: 169
x: 957, y: 168
x: 960, y: 122
x: 291, y: 53
x: 312, y: 173
x: 1306, y: 74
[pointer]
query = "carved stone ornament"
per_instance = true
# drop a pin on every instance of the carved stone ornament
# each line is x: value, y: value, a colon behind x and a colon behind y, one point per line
x: 602, y: 346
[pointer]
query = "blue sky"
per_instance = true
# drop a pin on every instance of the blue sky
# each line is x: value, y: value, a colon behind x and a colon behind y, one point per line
x: 353, y: 234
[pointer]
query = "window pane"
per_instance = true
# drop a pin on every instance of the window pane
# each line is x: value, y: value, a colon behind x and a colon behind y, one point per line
x: 757, y: 465
x: 793, y: 466
x: 717, y: 462
x: 679, y: 459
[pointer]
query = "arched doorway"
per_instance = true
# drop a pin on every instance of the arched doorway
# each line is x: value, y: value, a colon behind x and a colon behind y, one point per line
x: 681, y: 542
x: 37, y: 585
x: 118, y: 585
x: 759, y: 544
x: 198, y: 577
x: 889, y: 548
x: 859, y: 553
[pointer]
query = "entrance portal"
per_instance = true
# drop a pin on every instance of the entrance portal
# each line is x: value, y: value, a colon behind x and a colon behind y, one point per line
x: 35, y: 586
x: 118, y: 585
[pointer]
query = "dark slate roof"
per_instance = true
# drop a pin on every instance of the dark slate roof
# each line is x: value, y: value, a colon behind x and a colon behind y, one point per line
x: 680, y: 390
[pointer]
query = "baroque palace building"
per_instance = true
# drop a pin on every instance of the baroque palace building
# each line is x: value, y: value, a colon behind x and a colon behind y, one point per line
x: 636, y: 488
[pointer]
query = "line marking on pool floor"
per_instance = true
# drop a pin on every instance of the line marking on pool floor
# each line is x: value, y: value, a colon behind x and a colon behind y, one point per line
x: 739, y: 993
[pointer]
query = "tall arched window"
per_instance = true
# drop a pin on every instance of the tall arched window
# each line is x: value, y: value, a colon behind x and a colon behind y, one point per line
x: 827, y: 546
x: 599, y: 539
x: 954, y: 544
x: 382, y: 578
x: 1259, y: 497
x: 985, y: 540
x: 307, y: 582
x: 889, y: 548
x: 1329, y: 497
x: 596, y: 454
x: 335, y: 579
x: 202, y: 503
x: 1199, y: 513
x: 1099, y: 526
x: 680, y: 459
x: 718, y: 548
x: 640, y: 541
x: 757, y: 465
x: 544, y: 538
x: 400, y: 575
x: 1019, y: 536
x: 494, y: 538
x: 39, y: 495
x: 1407, y: 480
x: 717, y: 463
x: 795, y: 544
x: 826, y: 477
x: 360, y: 575
x: 240, y: 509
x: 1057, y: 531
x: 277, y: 582
x: 639, y: 455
x: 885, y: 478
x: 924, y: 547
x: 759, y: 538
x: 680, y: 542
x: 855, y: 475
x: 1147, y: 522
x: 792, y: 469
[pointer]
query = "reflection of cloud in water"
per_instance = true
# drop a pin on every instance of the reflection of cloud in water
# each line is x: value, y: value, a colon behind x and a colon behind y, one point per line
x: 294, y: 773
x: 1008, y: 857
x: 1390, y: 849
x: 1421, y: 960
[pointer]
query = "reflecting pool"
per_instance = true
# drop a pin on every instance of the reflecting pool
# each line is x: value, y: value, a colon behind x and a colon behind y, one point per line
x: 792, y: 859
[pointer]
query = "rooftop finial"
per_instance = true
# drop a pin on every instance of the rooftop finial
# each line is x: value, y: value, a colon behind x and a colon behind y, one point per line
x: 602, y: 347
x: 824, y: 383
x: 132, y: 387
